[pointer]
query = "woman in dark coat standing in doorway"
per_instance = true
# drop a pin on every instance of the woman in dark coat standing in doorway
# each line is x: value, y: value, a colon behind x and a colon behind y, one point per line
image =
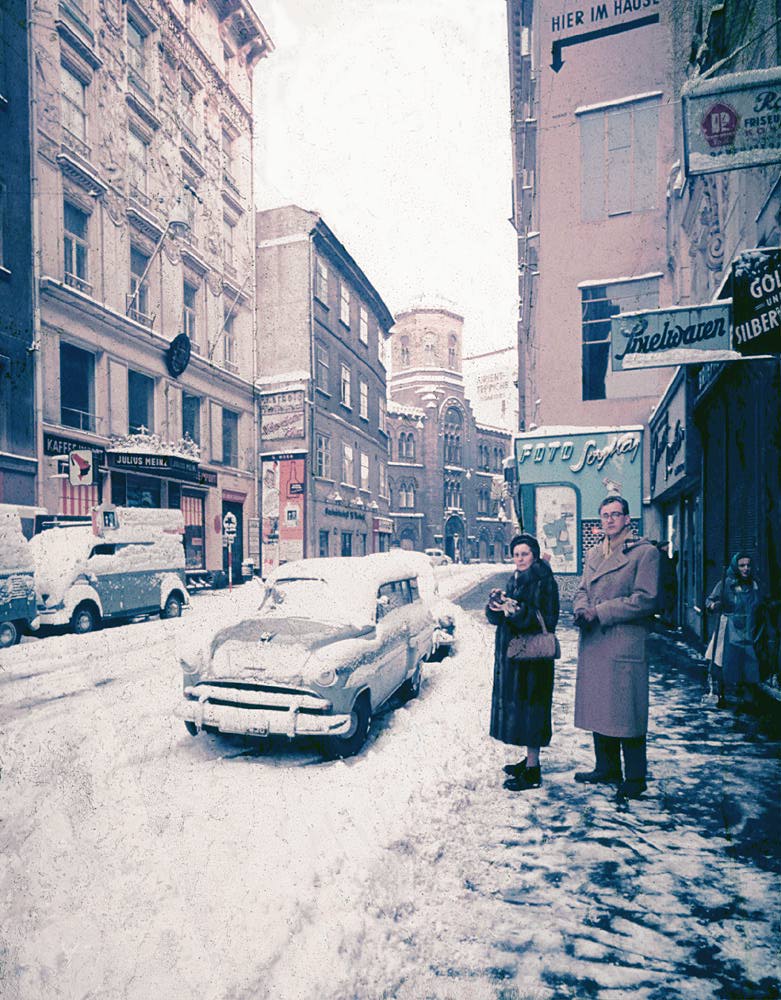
x: 523, y: 689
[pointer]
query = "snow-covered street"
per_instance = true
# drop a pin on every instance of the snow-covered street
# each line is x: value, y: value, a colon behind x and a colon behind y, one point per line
x: 141, y: 862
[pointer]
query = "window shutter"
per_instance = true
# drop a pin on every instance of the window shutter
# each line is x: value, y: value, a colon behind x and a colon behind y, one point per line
x: 117, y: 405
x: 215, y: 444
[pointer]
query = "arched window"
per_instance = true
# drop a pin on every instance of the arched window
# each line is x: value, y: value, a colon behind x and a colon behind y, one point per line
x: 405, y: 351
x: 411, y: 446
x: 452, y: 435
x: 451, y: 351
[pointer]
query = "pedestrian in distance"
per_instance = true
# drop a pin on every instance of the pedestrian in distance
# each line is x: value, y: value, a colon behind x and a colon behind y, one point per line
x: 731, y: 652
x: 613, y: 607
x: 523, y: 689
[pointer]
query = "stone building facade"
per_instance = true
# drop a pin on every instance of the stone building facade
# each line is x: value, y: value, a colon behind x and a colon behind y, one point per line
x: 321, y: 328
x: 445, y: 470
x: 144, y: 203
x: 17, y: 339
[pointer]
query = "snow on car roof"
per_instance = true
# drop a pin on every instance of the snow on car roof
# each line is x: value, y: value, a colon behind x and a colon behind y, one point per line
x: 355, y: 574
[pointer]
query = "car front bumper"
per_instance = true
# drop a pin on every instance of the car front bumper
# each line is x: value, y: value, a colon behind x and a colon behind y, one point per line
x: 262, y: 713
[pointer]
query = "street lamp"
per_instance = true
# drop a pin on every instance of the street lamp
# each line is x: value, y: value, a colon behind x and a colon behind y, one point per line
x: 178, y: 225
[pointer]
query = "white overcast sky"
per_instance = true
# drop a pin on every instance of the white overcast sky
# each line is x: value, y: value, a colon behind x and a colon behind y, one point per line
x: 391, y: 118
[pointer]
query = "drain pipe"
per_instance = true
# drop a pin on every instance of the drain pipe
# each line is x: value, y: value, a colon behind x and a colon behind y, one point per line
x: 34, y: 350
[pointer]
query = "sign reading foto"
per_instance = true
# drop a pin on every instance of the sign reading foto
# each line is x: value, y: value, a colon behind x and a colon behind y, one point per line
x: 732, y: 121
x: 756, y: 302
x: 680, y: 336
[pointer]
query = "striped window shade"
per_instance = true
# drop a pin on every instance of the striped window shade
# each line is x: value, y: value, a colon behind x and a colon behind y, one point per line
x: 192, y: 510
x: 77, y: 499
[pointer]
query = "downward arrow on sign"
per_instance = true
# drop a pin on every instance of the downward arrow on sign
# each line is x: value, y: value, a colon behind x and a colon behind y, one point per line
x: 590, y: 36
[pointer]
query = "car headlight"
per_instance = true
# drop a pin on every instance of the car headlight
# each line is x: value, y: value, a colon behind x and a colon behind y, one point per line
x: 326, y: 677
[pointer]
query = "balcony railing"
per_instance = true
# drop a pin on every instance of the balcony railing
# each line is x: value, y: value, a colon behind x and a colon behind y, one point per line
x: 80, y: 419
x: 135, y: 313
x: 76, y: 282
x: 74, y: 144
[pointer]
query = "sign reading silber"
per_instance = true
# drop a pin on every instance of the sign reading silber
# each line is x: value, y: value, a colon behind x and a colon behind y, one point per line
x: 662, y: 337
x: 756, y: 301
x: 732, y: 121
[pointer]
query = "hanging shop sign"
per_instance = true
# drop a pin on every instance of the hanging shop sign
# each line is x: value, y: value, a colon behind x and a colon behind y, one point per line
x: 282, y: 415
x: 177, y: 357
x: 732, y: 121
x: 756, y: 302
x: 669, y: 337
x: 167, y: 466
x: 668, y: 451
x: 54, y: 444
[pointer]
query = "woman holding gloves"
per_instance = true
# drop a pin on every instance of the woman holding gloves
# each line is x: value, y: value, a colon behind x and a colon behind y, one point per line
x: 523, y: 689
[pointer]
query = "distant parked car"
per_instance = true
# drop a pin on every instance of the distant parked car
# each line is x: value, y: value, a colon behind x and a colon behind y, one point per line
x: 438, y: 557
x: 17, y: 588
x: 331, y: 642
x: 128, y: 562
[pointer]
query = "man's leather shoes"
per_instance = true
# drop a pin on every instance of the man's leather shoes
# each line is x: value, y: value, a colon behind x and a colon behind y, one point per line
x: 596, y: 777
x: 631, y: 789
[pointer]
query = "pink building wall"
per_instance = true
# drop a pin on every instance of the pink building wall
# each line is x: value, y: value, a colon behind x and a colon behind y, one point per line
x: 625, y: 64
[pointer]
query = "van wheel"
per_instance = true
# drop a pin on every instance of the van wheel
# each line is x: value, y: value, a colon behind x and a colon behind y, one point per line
x: 9, y: 634
x: 85, y: 619
x: 173, y: 607
x: 191, y: 727
x: 411, y: 687
x: 336, y: 747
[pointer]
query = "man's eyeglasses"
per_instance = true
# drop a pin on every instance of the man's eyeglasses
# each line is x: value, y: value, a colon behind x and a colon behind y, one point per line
x: 612, y: 516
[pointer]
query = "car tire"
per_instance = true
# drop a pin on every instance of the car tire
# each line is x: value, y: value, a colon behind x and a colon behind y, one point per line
x: 411, y: 687
x: 191, y: 727
x: 337, y: 747
x: 85, y: 619
x: 9, y: 634
x: 173, y: 607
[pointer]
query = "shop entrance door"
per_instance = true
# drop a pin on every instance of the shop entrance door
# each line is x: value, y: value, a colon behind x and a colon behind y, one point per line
x: 237, y: 509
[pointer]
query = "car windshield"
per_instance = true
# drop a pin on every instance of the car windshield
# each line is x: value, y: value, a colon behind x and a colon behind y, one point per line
x: 315, y: 600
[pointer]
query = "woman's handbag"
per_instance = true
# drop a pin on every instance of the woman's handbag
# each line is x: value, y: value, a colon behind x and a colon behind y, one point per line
x: 535, y: 645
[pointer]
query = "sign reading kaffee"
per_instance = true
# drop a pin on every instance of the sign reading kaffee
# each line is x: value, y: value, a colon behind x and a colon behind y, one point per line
x: 732, y: 121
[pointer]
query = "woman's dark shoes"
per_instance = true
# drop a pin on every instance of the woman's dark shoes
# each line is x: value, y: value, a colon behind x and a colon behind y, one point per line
x: 530, y: 777
x: 515, y: 769
x: 597, y: 777
x: 631, y: 789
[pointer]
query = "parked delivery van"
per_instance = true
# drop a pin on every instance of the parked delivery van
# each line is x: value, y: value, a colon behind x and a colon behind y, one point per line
x: 128, y: 562
x: 17, y: 588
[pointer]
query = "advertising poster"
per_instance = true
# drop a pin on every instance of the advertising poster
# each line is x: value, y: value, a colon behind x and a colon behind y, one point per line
x: 282, y: 510
x: 756, y: 301
x: 556, y: 510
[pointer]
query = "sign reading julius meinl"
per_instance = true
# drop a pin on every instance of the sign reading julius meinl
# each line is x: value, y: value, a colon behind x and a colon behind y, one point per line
x: 732, y: 121
x: 756, y: 302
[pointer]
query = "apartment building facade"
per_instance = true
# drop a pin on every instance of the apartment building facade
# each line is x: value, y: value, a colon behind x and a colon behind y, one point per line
x: 445, y: 471
x: 321, y: 328
x: 592, y: 141
x: 17, y: 335
x: 143, y: 172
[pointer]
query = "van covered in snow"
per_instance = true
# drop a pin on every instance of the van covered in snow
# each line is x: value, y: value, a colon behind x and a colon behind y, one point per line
x: 17, y: 589
x: 128, y: 562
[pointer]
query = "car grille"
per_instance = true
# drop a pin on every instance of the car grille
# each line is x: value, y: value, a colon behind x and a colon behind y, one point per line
x: 268, y: 697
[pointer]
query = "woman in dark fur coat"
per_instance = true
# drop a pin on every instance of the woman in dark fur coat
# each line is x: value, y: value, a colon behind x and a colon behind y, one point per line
x: 523, y: 689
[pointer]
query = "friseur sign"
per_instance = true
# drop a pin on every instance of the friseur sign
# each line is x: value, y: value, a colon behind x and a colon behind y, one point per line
x: 680, y: 336
x: 756, y: 302
x: 732, y: 121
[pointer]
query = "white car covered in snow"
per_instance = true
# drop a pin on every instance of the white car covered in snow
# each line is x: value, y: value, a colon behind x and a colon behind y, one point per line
x: 128, y: 562
x: 331, y: 642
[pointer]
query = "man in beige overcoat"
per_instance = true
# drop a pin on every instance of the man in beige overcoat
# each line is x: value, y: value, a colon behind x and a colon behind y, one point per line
x: 613, y: 607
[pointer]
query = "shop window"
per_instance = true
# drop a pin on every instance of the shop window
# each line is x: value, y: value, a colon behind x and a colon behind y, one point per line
x: 77, y: 388
x: 191, y: 417
x: 140, y: 402
x: 347, y: 543
x: 323, y: 543
x: 230, y: 438
x: 141, y: 491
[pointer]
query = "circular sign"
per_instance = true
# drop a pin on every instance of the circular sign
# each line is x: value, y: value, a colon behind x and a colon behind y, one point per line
x: 177, y: 356
x: 720, y: 124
